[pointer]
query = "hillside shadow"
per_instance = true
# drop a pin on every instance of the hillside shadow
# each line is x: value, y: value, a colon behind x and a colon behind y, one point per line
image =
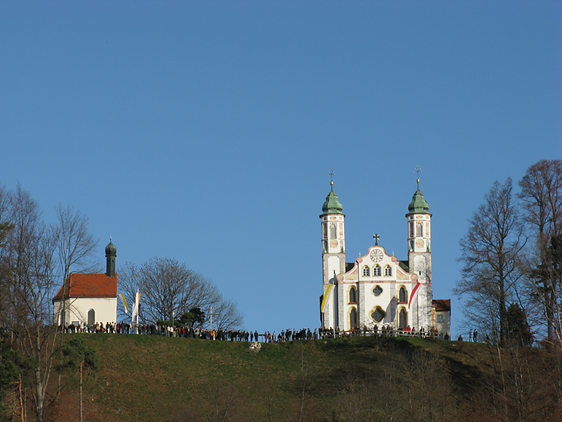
x: 465, y: 376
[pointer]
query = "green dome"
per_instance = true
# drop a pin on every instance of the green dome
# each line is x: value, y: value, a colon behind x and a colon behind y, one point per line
x: 110, y: 249
x: 332, y: 204
x: 418, y: 204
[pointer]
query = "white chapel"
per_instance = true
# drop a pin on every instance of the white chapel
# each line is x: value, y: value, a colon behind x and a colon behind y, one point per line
x: 378, y: 289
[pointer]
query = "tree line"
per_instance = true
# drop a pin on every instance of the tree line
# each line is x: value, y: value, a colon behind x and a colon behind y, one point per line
x: 511, y: 259
x: 172, y: 293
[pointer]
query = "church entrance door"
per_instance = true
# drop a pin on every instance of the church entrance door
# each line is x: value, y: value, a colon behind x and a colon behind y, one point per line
x: 91, y: 317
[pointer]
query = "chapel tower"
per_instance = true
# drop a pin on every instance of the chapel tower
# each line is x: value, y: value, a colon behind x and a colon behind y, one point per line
x: 333, y: 254
x: 110, y: 254
x: 419, y: 257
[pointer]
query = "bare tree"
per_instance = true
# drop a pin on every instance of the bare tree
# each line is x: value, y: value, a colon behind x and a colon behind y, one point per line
x: 31, y: 273
x: 227, y: 315
x: 541, y: 196
x: 29, y: 256
x: 490, y: 251
x: 74, y: 245
x: 169, y: 288
x: 5, y: 227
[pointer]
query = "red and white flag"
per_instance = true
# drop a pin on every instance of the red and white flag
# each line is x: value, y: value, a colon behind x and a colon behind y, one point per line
x: 414, y: 294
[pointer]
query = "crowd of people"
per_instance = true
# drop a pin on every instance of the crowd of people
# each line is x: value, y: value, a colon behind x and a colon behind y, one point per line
x: 244, y: 335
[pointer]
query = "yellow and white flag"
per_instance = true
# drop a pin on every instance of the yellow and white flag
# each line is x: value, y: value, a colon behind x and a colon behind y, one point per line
x: 327, y: 296
x: 135, y: 312
x: 124, y: 302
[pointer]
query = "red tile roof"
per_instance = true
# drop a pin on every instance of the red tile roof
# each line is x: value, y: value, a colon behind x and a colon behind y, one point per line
x: 442, y: 305
x: 89, y: 285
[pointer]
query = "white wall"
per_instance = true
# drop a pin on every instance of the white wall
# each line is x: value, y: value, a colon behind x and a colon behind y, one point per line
x: 77, y: 310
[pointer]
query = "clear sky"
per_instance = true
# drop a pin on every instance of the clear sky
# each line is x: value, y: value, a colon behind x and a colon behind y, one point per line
x: 204, y: 130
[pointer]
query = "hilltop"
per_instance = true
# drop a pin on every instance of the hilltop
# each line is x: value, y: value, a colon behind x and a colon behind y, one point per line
x: 152, y: 378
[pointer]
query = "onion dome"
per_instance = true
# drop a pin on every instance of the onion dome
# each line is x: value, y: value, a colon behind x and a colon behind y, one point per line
x: 332, y: 204
x: 110, y: 249
x: 418, y: 204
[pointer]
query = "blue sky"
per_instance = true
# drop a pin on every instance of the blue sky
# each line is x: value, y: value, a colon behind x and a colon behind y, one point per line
x: 205, y: 131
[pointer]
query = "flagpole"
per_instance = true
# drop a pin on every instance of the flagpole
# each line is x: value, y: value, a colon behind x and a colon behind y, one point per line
x: 138, y: 311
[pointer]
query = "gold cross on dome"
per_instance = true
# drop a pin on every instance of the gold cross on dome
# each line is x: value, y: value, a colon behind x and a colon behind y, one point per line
x: 331, y: 173
x: 418, y: 170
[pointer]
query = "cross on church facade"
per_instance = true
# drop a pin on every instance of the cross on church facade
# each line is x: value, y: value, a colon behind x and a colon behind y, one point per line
x: 376, y: 237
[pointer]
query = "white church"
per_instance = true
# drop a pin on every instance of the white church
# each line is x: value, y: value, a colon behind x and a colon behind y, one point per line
x: 89, y: 298
x: 378, y: 289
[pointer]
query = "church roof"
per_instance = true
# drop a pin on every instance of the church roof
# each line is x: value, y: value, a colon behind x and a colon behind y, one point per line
x: 442, y: 305
x: 90, y: 285
x: 332, y: 204
x: 418, y: 205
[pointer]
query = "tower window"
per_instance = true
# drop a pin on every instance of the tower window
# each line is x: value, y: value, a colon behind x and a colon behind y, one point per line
x: 352, y: 295
x: 411, y: 227
x: 388, y: 271
x: 332, y: 231
x: 377, y: 271
x: 366, y: 272
x: 402, y: 295
x: 419, y: 229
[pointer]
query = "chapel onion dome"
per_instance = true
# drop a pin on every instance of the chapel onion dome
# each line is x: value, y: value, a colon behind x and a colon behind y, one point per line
x: 110, y: 249
x: 332, y: 204
x: 418, y: 205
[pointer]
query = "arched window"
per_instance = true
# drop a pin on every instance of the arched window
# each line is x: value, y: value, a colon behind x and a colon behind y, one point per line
x: 419, y: 229
x: 403, y: 318
x: 353, y: 318
x: 323, y: 231
x: 366, y: 272
x: 377, y: 270
x: 402, y: 295
x: 353, y: 295
x: 411, y: 227
x: 378, y: 315
x: 332, y: 231
x: 387, y: 270
x: 91, y: 317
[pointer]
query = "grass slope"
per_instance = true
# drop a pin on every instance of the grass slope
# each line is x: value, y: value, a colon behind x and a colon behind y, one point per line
x: 151, y: 378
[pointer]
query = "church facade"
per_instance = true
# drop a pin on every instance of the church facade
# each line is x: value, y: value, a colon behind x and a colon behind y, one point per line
x: 377, y: 289
x: 89, y: 298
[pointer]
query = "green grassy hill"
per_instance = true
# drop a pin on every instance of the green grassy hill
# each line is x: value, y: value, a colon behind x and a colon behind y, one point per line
x: 151, y: 378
